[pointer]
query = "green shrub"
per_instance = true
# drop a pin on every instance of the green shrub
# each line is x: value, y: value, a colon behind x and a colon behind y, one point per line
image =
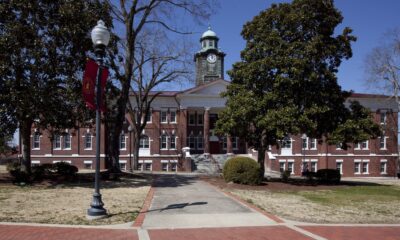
x: 309, y: 175
x: 242, y: 170
x: 330, y: 176
x: 65, y: 169
x: 285, y: 175
x: 19, y: 176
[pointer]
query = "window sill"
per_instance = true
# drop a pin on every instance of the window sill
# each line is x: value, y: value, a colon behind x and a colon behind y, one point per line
x: 366, y: 173
x: 67, y: 149
x: 357, y: 173
x: 383, y: 149
x: 88, y: 149
x: 35, y: 148
x: 57, y: 149
x: 164, y: 122
x: 122, y: 149
x: 383, y: 173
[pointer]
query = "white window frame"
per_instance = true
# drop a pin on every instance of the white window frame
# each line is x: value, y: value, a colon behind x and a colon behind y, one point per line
x: 59, y: 137
x: 313, y: 141
x: 384, y: 143
x: 287, y: 140
x: 383, y: 161
x: 314, y: 161
x: 122, y: 140
x: 384, y: 114
x: 142, y: 142
x: 304, y: 141
x: 145, y: 162
x: 65, y: 141
x: 85, y: 137
x: 176, y: 165
x: 172, y: 140
x: 290, y: 162
x: 366, y: 145
x: 33, y: 141
x: 123, y: 162
x: 200, y: 117
x: 66, y: 161
x: 166, y: 116
x: 192, y: 114
x: 88, y: 162
x: 35, y: 163
x: 165, y: 162
x: 357, y: 161
x: 173, y: 111
x: 365, y: 162
x: 150, y: 116
x: 340, y: 161
x: 282, y: 162
x: 339, y: 146
x: 162, y: 137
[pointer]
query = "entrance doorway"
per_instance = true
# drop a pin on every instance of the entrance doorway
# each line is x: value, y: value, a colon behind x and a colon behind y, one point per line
x: 215, y: 148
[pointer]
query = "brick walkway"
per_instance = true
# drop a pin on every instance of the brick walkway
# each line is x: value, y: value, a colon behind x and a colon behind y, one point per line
x: 14, y: 232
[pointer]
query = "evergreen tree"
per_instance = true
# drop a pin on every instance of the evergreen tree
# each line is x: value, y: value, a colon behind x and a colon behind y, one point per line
x: 43, y: 48
x: 286, y: 80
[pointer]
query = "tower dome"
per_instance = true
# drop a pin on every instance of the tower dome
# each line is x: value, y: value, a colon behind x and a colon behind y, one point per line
x: 209, y: 33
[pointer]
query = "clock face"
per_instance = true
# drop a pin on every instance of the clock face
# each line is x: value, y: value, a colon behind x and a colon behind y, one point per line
x: 211, y: 58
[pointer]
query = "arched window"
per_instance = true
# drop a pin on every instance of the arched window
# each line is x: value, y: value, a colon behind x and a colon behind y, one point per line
x: 36, y: 140
x: 122, y: 142
x: 144, y: 142
x: 287, y: 142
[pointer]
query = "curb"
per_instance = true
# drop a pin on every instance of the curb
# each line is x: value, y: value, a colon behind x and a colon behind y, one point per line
x: 146, y: 205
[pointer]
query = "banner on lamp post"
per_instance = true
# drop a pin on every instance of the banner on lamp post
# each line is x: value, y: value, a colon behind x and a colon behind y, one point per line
x: 89, y: 85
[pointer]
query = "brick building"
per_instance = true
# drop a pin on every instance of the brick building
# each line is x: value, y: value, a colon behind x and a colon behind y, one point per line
x: 185, y: 120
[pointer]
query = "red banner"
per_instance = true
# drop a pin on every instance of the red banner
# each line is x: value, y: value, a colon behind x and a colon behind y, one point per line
x: 89, y: 85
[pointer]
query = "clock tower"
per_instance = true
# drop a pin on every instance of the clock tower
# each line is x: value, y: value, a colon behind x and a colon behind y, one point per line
x: 209, y: 60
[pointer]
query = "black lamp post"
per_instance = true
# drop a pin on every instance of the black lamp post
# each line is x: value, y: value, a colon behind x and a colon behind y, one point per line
x: 100, y: 38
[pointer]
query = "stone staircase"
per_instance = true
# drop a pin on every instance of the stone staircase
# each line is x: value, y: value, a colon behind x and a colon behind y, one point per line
x: 209, y: 164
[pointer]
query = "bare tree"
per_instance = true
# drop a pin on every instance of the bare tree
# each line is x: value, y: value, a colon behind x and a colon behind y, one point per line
x: 142, y: 27
x: 383, y: 66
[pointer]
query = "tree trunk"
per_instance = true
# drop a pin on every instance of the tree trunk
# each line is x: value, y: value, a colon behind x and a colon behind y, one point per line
x: 25, y: 133
x: 113, y: 147
x: 261, y: 160
x: 136, y: 146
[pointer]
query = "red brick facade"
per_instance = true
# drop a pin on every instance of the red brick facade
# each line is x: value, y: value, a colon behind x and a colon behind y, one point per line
x: 371, y: 159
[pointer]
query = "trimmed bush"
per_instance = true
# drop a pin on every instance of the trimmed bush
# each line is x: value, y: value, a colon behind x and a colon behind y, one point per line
x: 242, y: 170
x: 330, y: 176
x: 65, y: 169
x: 15, y: 171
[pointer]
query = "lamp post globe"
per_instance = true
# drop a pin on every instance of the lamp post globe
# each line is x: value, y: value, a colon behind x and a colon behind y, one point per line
x: 100, y: 38
x: 100, y: 34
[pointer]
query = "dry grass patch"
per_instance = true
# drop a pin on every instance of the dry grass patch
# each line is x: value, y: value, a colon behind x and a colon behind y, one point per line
x: 68, y: 204
x: 358, y: 204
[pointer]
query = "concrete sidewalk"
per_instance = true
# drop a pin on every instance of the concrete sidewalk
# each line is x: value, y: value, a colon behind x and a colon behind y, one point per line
x: 186, y: 202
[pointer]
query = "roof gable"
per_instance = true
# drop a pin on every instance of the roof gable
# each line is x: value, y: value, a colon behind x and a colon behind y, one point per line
x: 211, y: 88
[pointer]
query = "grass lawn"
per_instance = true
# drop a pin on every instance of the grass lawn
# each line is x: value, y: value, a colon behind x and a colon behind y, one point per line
x: 355, y: 200
x: 346, y: 204
x: 67, y: 203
